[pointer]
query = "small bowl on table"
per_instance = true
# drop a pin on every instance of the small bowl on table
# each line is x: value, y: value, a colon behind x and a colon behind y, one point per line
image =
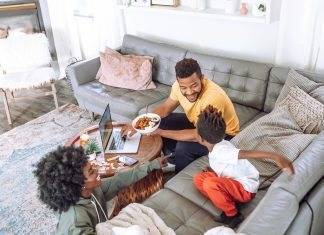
x: 146, y: 123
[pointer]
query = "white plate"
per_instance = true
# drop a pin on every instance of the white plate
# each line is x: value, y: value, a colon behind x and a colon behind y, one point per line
x: 148, y: 129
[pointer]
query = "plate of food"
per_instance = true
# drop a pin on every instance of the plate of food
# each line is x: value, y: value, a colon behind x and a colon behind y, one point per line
x: 146, y: 123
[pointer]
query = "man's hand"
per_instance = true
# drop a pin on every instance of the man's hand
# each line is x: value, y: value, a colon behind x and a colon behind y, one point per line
x: 163, y: 161
x: 284, y: 164
x: 127, y: 129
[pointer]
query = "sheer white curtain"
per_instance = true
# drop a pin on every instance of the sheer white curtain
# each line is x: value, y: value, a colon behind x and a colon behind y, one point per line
x: 109, y: 23
x: 301, y: 34
x: 71, y: 37
x: 64, y: 32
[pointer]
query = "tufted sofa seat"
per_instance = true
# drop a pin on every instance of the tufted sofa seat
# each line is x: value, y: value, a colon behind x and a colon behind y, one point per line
x: 288, y: 206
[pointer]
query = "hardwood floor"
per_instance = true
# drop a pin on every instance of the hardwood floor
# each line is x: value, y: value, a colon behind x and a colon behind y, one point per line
x: 26, y: 110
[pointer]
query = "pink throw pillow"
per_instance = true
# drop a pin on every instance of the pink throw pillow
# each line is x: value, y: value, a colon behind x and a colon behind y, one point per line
x: 130, y: 71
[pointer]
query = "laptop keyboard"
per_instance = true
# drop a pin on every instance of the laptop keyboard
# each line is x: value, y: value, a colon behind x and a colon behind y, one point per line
x: 117, y: 142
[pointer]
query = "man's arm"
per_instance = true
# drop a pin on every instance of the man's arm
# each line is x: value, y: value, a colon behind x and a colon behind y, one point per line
x: 281, y: 161
x: 166, y: 108
x: 179, y: 135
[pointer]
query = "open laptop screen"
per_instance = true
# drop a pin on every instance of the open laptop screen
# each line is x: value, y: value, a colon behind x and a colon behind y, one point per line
x: 105, y: 127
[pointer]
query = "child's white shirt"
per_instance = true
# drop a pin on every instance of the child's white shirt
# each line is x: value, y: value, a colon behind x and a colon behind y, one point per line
x: 223, y: 159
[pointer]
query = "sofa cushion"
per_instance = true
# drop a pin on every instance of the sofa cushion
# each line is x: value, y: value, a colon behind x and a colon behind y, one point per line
x: 182, y: 184
x: 153, y: 106
x: 275, y: 132
x: 245, y: 114
x: 165, y: 56
x: 307, y: 111
x: 277, y: 79
x: 123, y: 102
x: 180, y: 214
x: 244, y: 82
x: 295, y: 79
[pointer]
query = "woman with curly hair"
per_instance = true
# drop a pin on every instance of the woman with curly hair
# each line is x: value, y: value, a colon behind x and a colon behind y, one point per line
x: 69, y: 185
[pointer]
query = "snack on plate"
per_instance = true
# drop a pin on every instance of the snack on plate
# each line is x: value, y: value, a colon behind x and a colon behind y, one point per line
x: 146, y: 122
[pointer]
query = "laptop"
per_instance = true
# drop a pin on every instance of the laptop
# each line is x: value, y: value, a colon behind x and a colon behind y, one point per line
x: 111, y: 140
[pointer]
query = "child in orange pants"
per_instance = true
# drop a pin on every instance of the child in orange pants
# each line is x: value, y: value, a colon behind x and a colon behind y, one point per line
x: 231, y: 178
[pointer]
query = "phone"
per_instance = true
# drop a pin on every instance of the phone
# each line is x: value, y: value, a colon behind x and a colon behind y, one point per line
x: 128, y: 161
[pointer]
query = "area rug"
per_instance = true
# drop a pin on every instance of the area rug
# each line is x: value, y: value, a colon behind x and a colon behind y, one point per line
x: 21, y: 211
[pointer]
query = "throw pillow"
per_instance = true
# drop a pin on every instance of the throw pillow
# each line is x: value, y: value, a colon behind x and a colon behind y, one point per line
x: 110, y: 51
x: 275, y: 132
x: 296, y: 79
x: 307, y: 111
x: 130, y: 72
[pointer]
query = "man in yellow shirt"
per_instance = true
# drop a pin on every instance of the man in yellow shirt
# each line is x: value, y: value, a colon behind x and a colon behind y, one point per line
x: 194, y: 93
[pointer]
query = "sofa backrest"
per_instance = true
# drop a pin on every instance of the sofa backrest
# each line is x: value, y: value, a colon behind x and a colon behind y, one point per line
x: 277, y: 79
x: 165, y: 56
x: 245, y: 82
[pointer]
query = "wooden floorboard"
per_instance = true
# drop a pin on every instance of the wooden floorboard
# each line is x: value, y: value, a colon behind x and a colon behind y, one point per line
x: 27, y: 110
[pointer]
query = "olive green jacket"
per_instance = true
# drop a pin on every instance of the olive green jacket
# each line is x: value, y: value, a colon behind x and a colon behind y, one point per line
x: 82, y: 218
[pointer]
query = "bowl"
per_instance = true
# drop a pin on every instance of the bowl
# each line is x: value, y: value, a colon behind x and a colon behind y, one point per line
x: 154, y: 119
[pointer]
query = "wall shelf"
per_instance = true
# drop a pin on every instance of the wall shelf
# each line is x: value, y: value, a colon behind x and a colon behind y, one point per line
x: 214, y: 12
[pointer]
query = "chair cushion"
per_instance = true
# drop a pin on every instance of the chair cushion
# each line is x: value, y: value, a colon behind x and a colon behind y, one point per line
x: 180, y: 214
x: 307, y: 111
x: 275, y: 132
x: 123, y: 102
x: 131, y: 72
x: 24, y: 52
x: 28, y: 79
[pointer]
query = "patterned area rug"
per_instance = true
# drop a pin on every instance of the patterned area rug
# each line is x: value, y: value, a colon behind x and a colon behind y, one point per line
x: 21, y: 212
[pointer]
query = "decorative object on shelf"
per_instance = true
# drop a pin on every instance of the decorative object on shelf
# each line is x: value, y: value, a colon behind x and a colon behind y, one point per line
x: 141, y: 3
x: 173, y: 3
x: 92, y: 148
x: 84, y: 139
x: 230, y: 6
x: 244, y: 8
x: 259, y: 9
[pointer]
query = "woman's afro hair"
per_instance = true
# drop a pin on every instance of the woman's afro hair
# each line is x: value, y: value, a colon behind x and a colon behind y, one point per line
x: 60, y: 177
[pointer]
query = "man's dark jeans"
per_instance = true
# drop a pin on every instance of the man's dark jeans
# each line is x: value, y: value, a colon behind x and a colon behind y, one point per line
x: 184, y: 152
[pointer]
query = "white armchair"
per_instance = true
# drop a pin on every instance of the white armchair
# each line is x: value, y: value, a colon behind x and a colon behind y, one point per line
x: 25, y: 63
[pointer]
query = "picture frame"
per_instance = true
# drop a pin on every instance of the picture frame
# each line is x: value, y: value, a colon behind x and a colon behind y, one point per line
x: 141, y: 3
x: 173, y: 3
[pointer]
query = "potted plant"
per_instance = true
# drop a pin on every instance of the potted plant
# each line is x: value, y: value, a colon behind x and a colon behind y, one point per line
x: 259, y: 9
x: 92, y: 148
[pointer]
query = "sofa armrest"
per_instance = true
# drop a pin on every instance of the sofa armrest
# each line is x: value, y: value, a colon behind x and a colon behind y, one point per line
x: 83, y: 72
x: 273, y: 215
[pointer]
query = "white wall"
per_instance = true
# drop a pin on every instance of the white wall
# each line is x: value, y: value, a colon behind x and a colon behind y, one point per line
x: 244, y: 40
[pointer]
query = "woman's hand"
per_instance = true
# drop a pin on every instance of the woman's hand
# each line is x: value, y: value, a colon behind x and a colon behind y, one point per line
x: 163, y: 161
x: 284, y: 164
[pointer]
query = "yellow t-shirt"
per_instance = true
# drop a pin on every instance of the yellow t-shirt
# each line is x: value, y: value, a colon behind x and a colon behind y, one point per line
x: 211, y: 94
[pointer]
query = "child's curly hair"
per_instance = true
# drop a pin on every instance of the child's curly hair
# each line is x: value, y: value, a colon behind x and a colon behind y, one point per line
x: 60, y: 177
x: 211, y: 126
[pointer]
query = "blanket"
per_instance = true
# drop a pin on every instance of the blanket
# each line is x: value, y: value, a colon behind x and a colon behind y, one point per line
x: 147, y: 221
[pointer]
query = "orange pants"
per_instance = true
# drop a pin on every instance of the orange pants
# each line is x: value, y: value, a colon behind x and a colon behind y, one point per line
x: 223, y: 192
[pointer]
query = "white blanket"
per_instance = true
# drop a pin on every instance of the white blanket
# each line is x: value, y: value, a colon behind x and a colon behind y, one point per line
x: 147, y: 221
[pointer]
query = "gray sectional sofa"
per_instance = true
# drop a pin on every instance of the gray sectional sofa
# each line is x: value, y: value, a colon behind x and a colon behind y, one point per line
x: 289, y: 206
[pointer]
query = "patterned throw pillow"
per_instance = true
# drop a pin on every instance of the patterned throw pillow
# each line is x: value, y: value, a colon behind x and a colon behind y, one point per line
x: 295, y: 79
x: 307, y: 111
x: 275, y: 132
